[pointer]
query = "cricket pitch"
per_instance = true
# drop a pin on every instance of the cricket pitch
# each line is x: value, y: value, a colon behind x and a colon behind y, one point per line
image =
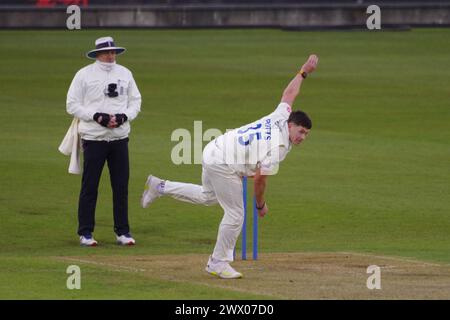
x: 295, y: 275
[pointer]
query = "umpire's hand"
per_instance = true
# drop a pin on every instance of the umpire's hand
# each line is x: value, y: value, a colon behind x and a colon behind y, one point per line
x: 102, y: 119
x: 112, y: 122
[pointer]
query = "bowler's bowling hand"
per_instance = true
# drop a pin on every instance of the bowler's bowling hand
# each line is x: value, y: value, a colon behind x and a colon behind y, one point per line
x: 311, y: 64
x: 262, y: 210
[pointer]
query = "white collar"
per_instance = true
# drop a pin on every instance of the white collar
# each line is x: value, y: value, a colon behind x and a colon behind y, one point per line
x: 105, y: 66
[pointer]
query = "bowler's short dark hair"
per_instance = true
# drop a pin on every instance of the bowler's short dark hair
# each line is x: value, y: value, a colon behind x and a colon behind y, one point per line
x: 300, y: 118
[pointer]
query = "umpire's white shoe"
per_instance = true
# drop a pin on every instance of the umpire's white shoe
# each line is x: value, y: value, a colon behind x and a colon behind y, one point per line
x: 222, y: 270
x: 88, y: 241
x: 125, y: 240
x: 152, y: 190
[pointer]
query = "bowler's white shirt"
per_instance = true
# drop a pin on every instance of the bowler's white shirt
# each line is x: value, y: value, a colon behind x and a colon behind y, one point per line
x: 261, y: 144
x: 86, y: 96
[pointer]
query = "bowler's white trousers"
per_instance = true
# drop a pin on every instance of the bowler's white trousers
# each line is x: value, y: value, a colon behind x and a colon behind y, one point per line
x: 220, y: 185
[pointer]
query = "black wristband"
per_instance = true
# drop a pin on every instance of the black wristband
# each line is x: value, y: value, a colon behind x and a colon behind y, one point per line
x: 105, y: 118
x: 264, y: 204
x: 121, y: 118
x: 304, y: 74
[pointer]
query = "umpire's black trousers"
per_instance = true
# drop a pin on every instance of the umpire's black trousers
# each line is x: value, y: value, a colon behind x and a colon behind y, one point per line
x: 95, y: 155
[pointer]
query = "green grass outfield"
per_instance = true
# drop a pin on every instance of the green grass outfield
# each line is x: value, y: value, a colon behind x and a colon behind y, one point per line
x: 373, y: 176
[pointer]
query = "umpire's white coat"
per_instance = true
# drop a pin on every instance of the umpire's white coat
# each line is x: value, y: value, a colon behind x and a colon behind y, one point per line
x: 87, y: 95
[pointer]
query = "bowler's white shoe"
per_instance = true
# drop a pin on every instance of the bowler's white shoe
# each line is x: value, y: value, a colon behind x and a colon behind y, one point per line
x: 125, y: 240
x: 222, y: 270
x: 152, y: 190
x: 87, y: 241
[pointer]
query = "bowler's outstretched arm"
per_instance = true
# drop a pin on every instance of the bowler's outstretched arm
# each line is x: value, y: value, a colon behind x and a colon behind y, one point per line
x: 293, y: 89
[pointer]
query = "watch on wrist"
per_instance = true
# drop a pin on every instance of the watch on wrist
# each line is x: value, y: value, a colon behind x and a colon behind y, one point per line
x: 303, y: 73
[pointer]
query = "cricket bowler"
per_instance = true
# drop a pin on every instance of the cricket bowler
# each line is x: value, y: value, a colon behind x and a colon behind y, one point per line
x: 253, y: 150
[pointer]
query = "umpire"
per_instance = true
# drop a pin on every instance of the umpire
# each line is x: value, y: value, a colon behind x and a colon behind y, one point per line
x: 104, y: 96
